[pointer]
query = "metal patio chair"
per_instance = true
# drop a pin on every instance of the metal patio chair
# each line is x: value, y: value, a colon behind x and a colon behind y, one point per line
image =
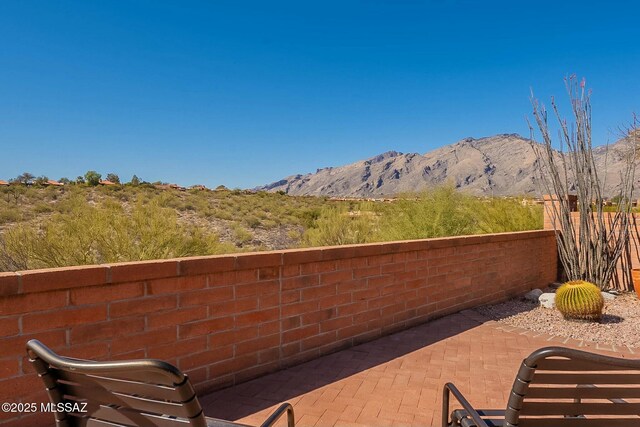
x: 140, y: 393
x: 560, y: 387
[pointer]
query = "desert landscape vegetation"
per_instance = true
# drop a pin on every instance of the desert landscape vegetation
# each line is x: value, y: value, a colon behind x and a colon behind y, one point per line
x: 80, y: 223
x: 474, y: 186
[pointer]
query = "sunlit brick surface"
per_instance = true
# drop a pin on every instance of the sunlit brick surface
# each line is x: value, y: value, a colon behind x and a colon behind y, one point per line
x: 395, y: 380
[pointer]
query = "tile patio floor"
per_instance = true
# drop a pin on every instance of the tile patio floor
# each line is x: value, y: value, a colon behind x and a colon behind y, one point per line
x: 395, y: 380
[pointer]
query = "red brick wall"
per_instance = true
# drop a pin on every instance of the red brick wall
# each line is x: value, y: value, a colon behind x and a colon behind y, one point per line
x: 631, y: 256
x: 225, y: 319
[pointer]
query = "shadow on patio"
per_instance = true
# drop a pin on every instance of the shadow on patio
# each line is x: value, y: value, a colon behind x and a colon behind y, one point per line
x: 394, y: 379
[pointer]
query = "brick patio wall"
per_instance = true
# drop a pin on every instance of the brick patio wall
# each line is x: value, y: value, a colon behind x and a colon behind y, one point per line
x: 226, y: 319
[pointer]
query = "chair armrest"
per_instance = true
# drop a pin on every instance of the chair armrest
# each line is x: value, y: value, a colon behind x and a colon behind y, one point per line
x: 275, y: 416
x: 450, y: 388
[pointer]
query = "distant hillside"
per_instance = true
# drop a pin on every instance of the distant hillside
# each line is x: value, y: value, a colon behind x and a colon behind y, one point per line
x: 499, y: 165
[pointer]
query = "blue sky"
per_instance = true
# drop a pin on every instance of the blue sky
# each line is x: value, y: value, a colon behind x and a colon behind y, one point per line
x: 243, y: 93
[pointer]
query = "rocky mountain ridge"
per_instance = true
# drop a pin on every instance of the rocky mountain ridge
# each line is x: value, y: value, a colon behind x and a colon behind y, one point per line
x: 500, y: 165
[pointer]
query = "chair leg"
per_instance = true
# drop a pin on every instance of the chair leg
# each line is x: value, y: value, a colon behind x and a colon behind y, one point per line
x: 445, y: 407
x: 448, y: 420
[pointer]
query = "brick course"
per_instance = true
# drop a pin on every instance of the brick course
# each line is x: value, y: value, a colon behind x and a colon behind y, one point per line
x: 226, y: 319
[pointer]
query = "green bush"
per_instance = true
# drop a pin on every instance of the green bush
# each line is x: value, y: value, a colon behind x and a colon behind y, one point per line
x: 504, y: 215
x: 87, y: 234
x: 439, y: 212
x: 337, y: 226
x: 435, y: 213
x: 242, y: 235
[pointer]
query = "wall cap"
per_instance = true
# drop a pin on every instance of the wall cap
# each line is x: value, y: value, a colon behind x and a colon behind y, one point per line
x: 44, y: 280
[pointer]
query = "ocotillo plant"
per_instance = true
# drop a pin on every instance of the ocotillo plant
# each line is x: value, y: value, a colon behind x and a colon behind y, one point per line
x: 591, y: 248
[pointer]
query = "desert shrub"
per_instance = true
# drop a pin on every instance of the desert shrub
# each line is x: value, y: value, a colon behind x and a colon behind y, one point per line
x: 88, y: 234
x: 168, y: 199
x: 36, y: 194
x: 443, y: 211
x: 111, y: 189
x: 294, y: 235
x: 251, y: 220
x: 310, y: 216
x: 225, y: 214
x: 269, y: 224
x: 205, y: 212
x: 241, y: 234
x: 53, y: 193
x: 43, y: 208
x: 9, y: 215
x: 262, y: 214
x: 504, y: 215
x: 435, y: 213
x: 14, y: 193
x: 335, y: 226
x: 124, y: 195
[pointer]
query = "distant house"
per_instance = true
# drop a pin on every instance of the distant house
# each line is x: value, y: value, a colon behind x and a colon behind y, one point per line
x: 106, y: 182
x: 169, y: 187
x: 3, y: 182
x: 53, y: 183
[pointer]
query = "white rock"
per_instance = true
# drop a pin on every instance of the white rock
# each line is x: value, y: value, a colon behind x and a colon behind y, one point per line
x: 533, y: 295
x: 608, y: 296
x: 548, y: 300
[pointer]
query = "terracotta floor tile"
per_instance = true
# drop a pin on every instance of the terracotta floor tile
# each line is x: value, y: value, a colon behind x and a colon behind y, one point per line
x: 395, y: 380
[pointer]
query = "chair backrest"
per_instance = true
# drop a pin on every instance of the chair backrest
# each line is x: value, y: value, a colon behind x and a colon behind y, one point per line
x: 564, y: 387
x: 128, y: 393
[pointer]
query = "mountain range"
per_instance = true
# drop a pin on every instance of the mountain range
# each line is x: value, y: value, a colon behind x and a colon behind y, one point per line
x: 500, y: 165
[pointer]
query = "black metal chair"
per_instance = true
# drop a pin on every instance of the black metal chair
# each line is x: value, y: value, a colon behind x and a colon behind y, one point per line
x: 560, y: 387
x: 140, y: 393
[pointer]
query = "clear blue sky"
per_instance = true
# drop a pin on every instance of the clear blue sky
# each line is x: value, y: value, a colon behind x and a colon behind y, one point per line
x: 243, y: 93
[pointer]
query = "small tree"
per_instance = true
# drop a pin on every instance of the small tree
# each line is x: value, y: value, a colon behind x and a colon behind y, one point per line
x: 25, y: 178
x: 80, y: 180
x: 113, y: 178
x: 591, y: 247
x: 41, y: 180
x: 92, y: 178
x: 135, y: 181
x: 64, y: 180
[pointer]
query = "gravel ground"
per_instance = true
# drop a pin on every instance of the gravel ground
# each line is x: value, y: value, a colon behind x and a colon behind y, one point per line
x: 620, y: 324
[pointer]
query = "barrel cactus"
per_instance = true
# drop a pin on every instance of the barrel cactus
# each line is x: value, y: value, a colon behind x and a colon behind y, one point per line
x: 580, y: 300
